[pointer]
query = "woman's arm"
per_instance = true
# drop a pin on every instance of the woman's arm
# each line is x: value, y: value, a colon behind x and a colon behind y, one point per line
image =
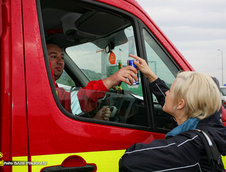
x: 157, y: 86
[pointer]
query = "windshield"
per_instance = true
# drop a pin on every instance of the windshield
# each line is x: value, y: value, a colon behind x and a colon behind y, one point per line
x: 98, y: 63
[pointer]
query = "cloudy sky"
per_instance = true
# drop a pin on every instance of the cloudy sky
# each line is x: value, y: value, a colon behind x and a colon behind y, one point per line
x: 197, y: 28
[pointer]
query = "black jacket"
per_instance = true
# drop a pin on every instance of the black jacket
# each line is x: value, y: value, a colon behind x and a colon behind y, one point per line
x: 183, y: 152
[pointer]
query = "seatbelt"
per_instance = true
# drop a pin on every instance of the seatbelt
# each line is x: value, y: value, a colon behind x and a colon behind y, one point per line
x: 214, y: 157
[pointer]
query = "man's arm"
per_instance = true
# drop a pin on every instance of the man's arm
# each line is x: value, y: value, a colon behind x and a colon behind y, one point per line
x: 89, y: 95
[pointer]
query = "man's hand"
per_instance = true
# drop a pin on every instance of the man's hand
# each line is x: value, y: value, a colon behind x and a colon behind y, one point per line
x: 103, y: 114
x: 126, y: 74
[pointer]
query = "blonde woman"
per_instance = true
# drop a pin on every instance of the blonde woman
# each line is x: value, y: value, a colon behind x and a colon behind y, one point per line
x: 194, y: 101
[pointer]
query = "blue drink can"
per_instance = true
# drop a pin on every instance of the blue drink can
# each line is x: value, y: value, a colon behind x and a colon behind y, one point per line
x: 131, y: 63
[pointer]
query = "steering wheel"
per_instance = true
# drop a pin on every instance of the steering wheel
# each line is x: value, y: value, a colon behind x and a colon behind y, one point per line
x: 106, y: 101
x: 120, y: 105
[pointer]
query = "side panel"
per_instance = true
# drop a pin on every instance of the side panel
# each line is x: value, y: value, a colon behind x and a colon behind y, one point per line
x: 19, y: 112
x: 13, y: 98
x: 5, y: 113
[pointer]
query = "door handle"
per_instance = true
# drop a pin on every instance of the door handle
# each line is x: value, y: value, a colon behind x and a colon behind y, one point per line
x: 72, y: 163
x: 86, y: 168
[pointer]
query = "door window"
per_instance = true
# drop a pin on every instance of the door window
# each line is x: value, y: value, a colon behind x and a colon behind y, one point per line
x: 96, y: 43
x: 162, y: 65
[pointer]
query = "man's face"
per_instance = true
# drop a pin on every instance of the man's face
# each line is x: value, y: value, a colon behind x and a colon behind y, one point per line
x: 56, y: 57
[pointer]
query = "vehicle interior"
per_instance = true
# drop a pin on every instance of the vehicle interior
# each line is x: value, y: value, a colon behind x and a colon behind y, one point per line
x: 89, y: 35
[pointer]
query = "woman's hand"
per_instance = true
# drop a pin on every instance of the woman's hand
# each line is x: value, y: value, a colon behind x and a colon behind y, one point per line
x: 144, y: 68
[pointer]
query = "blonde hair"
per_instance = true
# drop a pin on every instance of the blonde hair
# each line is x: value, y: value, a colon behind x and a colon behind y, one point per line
x: 200, y: 93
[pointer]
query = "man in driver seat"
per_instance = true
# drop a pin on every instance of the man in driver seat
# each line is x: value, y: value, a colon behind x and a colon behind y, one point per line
x: 85, y: 99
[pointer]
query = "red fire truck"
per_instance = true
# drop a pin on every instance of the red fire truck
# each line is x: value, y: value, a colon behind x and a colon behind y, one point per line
x: 37, y: 132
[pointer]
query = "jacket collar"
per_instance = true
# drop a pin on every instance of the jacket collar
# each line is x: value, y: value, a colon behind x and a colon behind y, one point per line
x: 190, y: 124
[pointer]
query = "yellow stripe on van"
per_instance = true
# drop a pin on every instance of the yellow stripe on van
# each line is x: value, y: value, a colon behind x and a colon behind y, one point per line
x: 224, y: 161
x: 106, y: 161
x: 20, y: 167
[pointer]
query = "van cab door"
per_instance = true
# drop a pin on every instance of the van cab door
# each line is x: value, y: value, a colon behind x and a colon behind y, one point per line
x: 96, y: 37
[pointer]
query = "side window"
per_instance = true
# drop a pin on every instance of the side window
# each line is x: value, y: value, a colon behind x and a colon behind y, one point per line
x: 96, y: 43
x: 164, y: 68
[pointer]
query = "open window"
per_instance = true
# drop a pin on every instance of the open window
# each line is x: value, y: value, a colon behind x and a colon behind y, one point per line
x: 96, y: 43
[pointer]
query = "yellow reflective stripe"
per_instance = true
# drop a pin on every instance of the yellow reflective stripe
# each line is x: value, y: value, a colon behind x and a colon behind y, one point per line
x: 224, y: 161
x: 19, y: 168
x: 104, y: 160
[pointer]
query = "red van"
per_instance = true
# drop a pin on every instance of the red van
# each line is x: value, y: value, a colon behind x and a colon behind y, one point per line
x: 37, y: 132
